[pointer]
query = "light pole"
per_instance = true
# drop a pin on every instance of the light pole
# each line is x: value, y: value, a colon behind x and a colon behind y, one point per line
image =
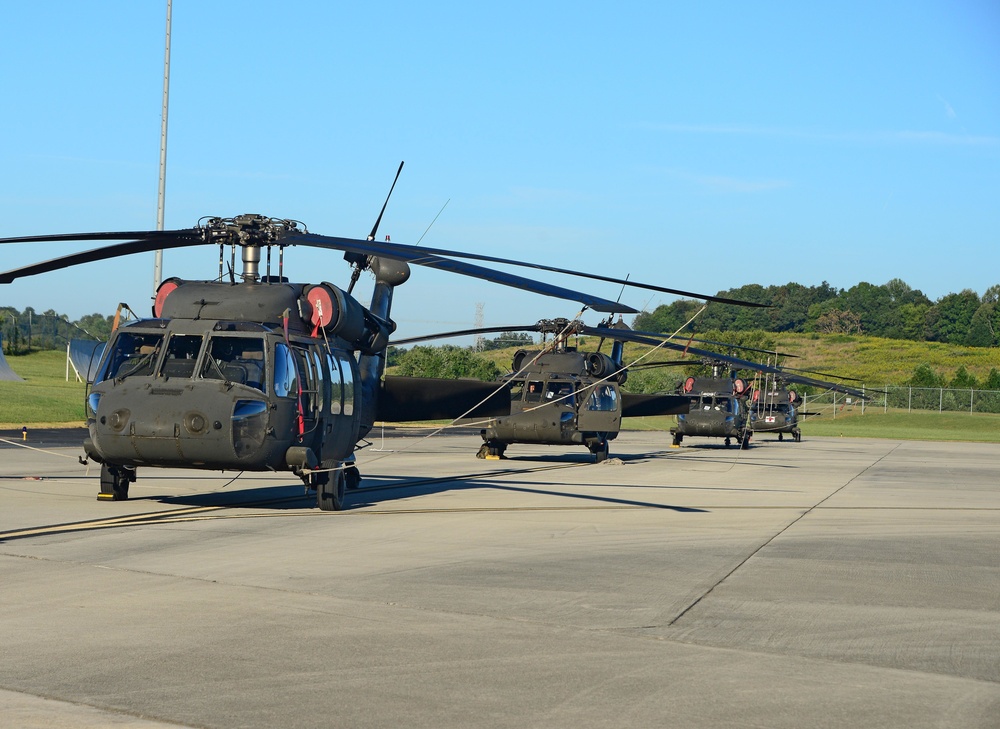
x: 158, y: 260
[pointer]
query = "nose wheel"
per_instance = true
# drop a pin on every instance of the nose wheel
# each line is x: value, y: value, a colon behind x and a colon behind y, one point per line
x: 600, y: 451
x: 331, y: 489
x: 491, y: 450
x: 114, y: 482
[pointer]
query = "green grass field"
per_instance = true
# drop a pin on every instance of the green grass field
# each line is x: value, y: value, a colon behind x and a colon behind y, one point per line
x: 978, y: 427
x: 46, y: 398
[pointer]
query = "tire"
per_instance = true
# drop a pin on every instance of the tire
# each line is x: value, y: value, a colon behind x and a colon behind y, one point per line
x: 492, y: 449
x: 114, y: 483
x: 353, y: 477
x: 331, y: 490
x: 600, y: 451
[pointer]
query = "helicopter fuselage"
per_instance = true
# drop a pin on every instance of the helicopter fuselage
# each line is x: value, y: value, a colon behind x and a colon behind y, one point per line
x: 717, y: 409
x: 241, y: 377
x: 557, y: 401
x: 223, y: 396
x: 776, y: 412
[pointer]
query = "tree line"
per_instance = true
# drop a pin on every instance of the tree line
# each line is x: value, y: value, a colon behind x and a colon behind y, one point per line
x: 893, y: 310
x: 26, y: 330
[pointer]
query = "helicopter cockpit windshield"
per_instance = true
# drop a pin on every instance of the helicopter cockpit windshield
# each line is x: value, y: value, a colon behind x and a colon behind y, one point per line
x: 236, y: 359
x: 711, y: 402
x: 561, y: 392
x: 134, y: 354
x: 182, y: 353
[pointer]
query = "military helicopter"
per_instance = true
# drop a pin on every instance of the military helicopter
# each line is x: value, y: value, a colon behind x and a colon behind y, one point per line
x: 564, y: 397
x: 775, y: 406
x: 717, y: 409
x: 258, y: 373
x: 733, y: 408
x: 717, y: 403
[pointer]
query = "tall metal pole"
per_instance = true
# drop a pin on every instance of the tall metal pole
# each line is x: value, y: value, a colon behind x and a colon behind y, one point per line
x: 158, y: 261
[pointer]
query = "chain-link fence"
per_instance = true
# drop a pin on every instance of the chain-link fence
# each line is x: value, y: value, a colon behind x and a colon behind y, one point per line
x: 896, y: 397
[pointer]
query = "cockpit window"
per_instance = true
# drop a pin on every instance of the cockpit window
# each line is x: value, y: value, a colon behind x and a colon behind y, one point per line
x: 236, y: 359
x: 560, y: 391
x: 133, y: 354
x: 182, y: 353
x: 286, y: 382
x: 604, y: 397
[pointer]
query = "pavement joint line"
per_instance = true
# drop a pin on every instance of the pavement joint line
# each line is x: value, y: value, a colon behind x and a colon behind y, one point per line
x: 784, y: 529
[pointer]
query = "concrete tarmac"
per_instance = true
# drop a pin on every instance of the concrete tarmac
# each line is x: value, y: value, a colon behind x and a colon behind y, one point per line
x: 827, y: 583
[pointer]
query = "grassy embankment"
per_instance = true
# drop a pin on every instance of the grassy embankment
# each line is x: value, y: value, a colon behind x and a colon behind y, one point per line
x: 45, y: 397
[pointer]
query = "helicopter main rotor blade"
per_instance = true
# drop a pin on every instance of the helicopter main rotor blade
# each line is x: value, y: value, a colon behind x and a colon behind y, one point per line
x: 464, y: 333
x: 421, y: 257
x: 148, y: 241
x: 401, y: 251
x: 740, y: 346
x: 798, y: 379
x: 69, y: 237
x: 668, y: 363
x: 825, y: 374
x: 735, y: 362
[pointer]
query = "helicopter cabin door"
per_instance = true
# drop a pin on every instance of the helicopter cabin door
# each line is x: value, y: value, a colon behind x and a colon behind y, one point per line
x: 600, y: 409
x: 341, y: 424
x: 310, y: 393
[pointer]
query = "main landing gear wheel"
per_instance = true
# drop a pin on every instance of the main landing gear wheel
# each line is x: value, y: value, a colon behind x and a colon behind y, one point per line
x: 600, y: 451
x: 114, y: 482
x: 727, y: 442
x: 781, y: 437
x: 331, y: 489
x: 491, y: 450
x: 797, y: 436
x: 745, y: 441
x: 677, y: 440
x: 353, y: 477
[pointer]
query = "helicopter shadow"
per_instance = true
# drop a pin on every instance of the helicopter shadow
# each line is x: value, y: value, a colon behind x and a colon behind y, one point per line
x: 392, y: 488
x: 283, y: 497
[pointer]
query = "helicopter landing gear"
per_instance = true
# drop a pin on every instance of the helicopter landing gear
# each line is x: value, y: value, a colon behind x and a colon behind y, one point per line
x: 781, y: 437
x: 331, y: 489
x: 114, y: 482
x: 352, y: 477
x: 677, y: 440
x: 745, y: 441
x: 600, y: 451
x: 797, y: 436
x: 728, y: 441
x: 491, y: 450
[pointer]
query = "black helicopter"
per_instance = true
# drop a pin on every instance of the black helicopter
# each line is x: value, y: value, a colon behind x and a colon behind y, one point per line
x: 733, y: 408
x: 776, y: 408
x: 718, y: 408
x: 561, y: 396
x: 262, y: 374
x: 564, y: 397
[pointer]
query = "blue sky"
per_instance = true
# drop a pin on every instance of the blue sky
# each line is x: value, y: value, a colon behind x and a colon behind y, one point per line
x: 691, y: 145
